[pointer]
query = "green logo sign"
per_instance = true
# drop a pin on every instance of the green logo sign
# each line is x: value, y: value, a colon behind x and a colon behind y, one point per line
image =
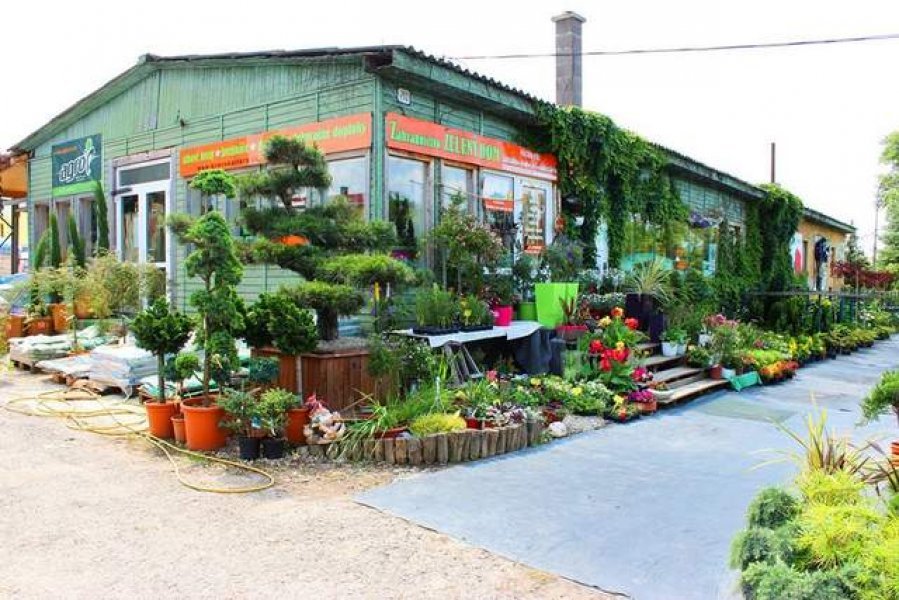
x: 77, y: 165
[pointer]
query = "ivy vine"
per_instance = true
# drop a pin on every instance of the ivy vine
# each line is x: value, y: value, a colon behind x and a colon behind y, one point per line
x: 609, y: 174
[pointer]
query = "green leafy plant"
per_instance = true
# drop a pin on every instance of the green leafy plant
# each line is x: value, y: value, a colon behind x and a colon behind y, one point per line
x: 182, y: 367
x: 101, y: 213
x: 474, y: 311
x: 291, y: 165
x: 436, y: 423
x: 363, y: 270
x: 883, y: 398
x: 272, y: 409
x: 771, y: 508
x: 275, y: 319
x: 435, y: 307
x: 563, y: 259
x: 650, y: 279
x: 262, y: 371
x: 328, y: 300
x: 214, y: 261
x: 242, y: 409
x: 161, y: 330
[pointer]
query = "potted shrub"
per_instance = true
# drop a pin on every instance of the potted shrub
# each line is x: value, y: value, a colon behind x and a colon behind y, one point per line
x: 436, y: 312
x: 501, y: 298
x: 465, y: 246
x: 523, y: 274
x: 272, y: 410
x: 648, y: 288
x: 37, y: 314
x: 699, y: 357
x: 262, y: 373
x: 572, y: 327
x: 161, y: 331
x: 475, y: 314
x: 242, y: 409
x: 179, y: 369
x: 562, y: 260
x: 329, y: 300
x: 882, y: 399
x: 214, y: 261
x: 297, y: 419
x: 275, y: 325
x: 670, y: 339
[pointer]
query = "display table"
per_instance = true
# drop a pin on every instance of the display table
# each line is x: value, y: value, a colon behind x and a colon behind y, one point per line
x: 515, y: 331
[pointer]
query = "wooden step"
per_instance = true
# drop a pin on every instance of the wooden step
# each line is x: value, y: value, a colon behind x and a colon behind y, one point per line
x: 692, y: 390
x: 659, y: 362
x: 649, y: 348
x: 678, y: 373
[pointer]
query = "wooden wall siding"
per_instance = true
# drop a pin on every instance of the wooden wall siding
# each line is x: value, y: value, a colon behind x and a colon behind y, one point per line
x: 446, y: 111
x: 701, y: 199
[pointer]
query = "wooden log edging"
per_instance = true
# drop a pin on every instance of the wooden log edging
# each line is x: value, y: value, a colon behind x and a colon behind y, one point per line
x: 449, y: 448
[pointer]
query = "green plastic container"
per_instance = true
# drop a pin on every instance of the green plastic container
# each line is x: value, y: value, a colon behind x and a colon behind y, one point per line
x: 527, y: 311
x: 549, y: 301
x: 740, y: 382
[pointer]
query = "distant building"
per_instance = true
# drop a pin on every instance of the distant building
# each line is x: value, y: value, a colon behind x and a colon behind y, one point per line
x: 817, y: 245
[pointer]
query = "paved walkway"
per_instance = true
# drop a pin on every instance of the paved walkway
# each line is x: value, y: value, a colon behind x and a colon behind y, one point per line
x: 646, y: 509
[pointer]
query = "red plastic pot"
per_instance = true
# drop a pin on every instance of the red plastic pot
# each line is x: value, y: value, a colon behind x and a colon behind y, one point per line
x: 297, y: 418
x: 473, y: 423
x: 502, y: 315
x: 202, y: 427
x: 159, y: 417
x: 178, y: 428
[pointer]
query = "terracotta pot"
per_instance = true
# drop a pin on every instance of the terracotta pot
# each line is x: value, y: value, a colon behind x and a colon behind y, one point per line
x: 59, y: 314
x: 15, y: 326
x: 40, y: 326
x: 716, y: 372
x: 83, y: 309
x: 894, y: 448
x: 178, y: 428
x: 202, y: 427
x: 297, y: 418
x: 159, y: 416
x: 647, y: 408
x: 393, y: 432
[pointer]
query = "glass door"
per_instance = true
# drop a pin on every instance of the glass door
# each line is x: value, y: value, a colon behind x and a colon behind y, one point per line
x: 141, y: 217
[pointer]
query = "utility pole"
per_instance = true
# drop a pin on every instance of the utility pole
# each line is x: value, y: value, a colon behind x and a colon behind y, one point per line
x: 876, y: 218
x: 773, y: 162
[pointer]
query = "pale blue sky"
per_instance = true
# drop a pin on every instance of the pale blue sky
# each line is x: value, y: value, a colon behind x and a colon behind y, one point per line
x: 826, y: 107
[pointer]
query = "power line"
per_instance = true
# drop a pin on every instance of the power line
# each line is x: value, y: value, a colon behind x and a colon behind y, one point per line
x: 684, y: 49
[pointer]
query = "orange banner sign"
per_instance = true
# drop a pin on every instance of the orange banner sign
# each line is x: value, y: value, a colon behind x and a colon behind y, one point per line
x: 333, y: 135
x: 424, y: 137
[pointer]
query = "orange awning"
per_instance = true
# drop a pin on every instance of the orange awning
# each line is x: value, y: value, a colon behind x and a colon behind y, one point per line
x: 13, y: 176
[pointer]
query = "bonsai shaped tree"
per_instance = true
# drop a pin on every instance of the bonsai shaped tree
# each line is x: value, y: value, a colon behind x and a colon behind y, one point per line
x: 883, y: 398
x: 214, y: 260
x: 304, y: 241
x: 161, y: 330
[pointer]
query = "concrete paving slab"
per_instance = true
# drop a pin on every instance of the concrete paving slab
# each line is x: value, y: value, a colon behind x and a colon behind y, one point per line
x: 646, y: 509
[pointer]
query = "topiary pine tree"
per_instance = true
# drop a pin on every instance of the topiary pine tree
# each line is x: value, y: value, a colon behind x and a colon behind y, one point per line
x: 215, y: 262
x: 101, y: 218
x: 305, y: 241
x: 161, y: 330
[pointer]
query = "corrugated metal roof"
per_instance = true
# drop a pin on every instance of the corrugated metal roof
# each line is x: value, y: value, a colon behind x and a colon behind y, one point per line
x: 150, y: 62
x: 819, y: 217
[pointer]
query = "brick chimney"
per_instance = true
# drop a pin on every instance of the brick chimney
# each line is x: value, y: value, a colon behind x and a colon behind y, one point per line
x: 568, y: 59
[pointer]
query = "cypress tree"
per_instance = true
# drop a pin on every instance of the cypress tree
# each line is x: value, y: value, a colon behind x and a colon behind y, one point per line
x: 55, y: 250
x: 76, y: 243
x: 101, y: 213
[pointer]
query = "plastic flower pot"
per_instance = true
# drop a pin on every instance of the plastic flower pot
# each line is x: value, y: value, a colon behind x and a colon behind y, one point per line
x: 894, y: 448
x: 527, y: 311
x: 202, y: 427
x: 549, y: 298
x: 60, y: 317
x: 669, y: 349
x: 297, y: 418
x: 159, y: 417
x: 391, y: 433
x: 273, y: 448
x: 728, y: 373
x: 178, y: 428
x: 473, y: 423
x: 716, y: 372
x: 15, y: 326
x: 571, y: 333
x: 647, y: 408
x: 502, y: 315
x: 681, y: 349
x: 40, y: 326
x: 249, y: 447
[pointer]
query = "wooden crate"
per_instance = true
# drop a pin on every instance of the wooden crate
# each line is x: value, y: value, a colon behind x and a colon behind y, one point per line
x: 340, y: 379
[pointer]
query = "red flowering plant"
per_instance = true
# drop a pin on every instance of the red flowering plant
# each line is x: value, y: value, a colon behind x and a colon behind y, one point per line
x: 641, y: 396
x: 641, y: 375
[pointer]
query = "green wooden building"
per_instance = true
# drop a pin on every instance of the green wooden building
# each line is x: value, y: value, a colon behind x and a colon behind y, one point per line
x: 402, y: 132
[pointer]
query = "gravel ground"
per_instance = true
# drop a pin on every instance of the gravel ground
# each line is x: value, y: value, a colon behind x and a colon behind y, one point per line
x: 87, y: 516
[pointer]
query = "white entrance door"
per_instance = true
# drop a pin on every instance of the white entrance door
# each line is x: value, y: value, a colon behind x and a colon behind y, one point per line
x: 143, y: 200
